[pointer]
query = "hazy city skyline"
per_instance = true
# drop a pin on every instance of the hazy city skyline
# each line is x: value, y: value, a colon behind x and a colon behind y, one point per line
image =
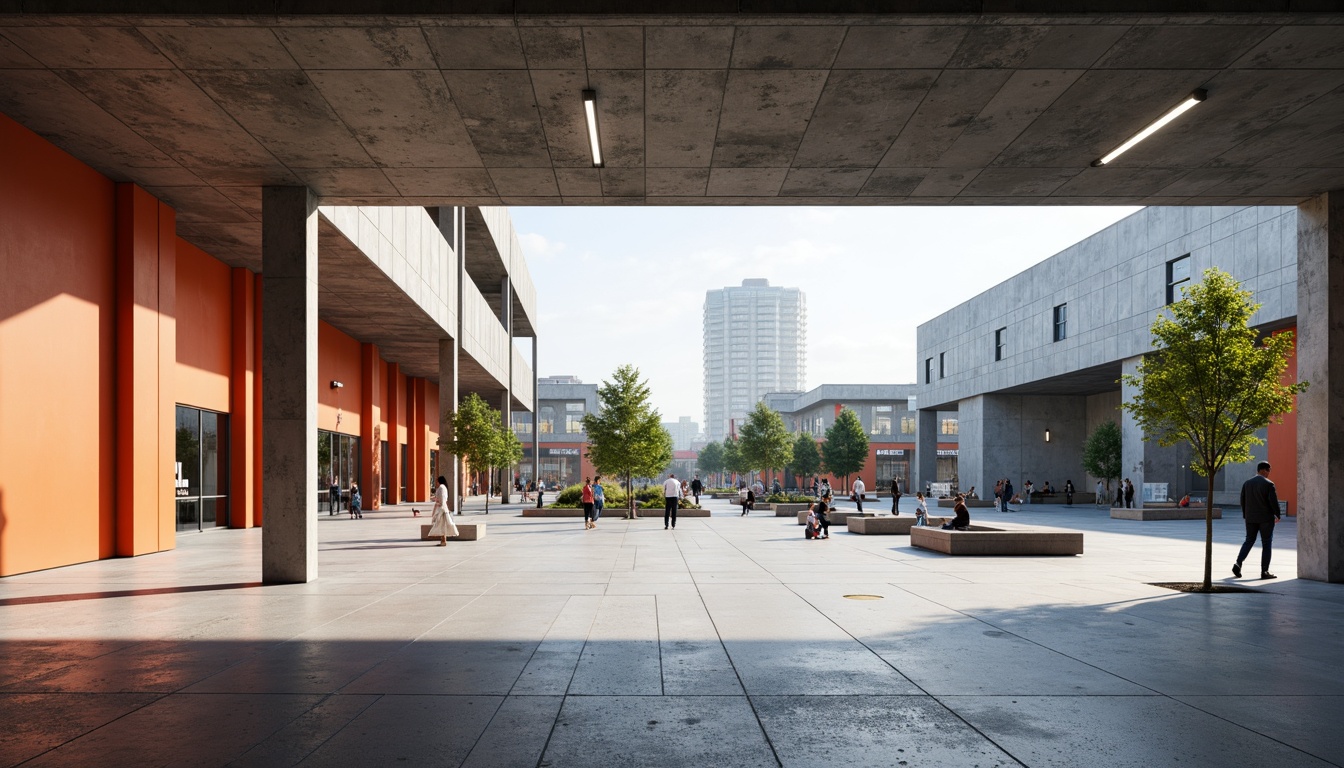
x: 627, y: 285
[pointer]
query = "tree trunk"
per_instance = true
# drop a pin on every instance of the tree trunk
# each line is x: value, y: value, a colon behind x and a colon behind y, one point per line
x: 1208, y: 530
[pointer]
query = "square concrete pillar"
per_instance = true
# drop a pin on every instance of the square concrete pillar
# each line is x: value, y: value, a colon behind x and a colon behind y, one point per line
x: 926, y: 448
x: 1320, y: 422
x: 447, y: 410
x: 289, y: 385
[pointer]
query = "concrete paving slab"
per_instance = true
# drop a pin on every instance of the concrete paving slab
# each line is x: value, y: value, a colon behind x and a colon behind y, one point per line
x: 1118, y: 731
x: 38, y: 723
x: 662, y: 730
x: 872, y: 730
x: 410, y: 730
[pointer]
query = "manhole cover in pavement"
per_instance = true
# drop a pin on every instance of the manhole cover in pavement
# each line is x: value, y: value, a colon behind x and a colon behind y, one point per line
x: 863, y: 597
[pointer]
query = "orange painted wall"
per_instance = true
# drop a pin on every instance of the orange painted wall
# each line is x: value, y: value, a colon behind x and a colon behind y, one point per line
x: 57, y: 334
x: 1282, y: 444
x: 338, y: 360
x: 204, y: 332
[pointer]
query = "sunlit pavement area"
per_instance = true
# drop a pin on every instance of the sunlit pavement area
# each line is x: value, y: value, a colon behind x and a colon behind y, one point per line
x: 724, y: 642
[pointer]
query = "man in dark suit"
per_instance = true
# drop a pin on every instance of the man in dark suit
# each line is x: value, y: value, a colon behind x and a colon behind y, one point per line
x: 1260, y: 507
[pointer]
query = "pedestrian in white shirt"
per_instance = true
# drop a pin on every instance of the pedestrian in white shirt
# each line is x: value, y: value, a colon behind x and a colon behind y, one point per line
x: 671, y: 495
x: 858, y: 493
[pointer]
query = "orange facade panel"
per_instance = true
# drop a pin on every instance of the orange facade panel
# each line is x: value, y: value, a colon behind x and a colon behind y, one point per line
x: 205, y: 314
x: 57, y: 337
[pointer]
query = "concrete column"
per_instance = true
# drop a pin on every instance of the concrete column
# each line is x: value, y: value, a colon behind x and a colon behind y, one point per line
x: 1131, y: 435
x: 926, y: 448
x: 370, y: 414
x: 536, y: 414
x: 506, y: 408
x: 396, y: 419
x: 1320, y: 426
x: 289, y: 390
x: 971, y: 470
x: 447, y: 410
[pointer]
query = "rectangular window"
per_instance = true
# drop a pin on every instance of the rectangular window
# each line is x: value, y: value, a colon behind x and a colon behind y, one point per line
x: 942, y: 365
x: 1178, y: 274
x: 1000, y: 344
x: 948, y: 427
x: 1061, y: 322
x: 928, y: 370
x: 908, y: 425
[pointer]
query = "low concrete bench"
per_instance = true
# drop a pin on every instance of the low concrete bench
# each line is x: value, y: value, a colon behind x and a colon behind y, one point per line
x: 465, y: 532
x: 837, y: 517
x: 984, y: 540
x: 792, y: 508
x: 561, y: 512
x: 970, y: 503
x: 887, y: 526
x: 652, y: 512
x: 1163, y: 513
x: 1079, y: 498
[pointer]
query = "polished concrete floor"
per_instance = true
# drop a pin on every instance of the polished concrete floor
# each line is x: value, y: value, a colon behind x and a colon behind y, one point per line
x: 726, y: 642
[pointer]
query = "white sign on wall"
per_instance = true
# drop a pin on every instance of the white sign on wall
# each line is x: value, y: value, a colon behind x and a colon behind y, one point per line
x: 1154, y: 492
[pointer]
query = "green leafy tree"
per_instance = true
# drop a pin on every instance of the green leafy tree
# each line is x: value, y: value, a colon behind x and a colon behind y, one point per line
x: 626, y: 438
x: 476, y: 435
x: 806, y: 458
x: 765, y: 442
x: 507, y: 452
x: 1101, y: 453
x: 846, y: 448
x: 1211, y: 382
x: 710, y: 460
x: 732, y: 457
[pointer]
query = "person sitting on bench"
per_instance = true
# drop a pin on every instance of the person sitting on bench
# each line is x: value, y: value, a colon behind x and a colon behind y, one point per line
x: 963, y: 519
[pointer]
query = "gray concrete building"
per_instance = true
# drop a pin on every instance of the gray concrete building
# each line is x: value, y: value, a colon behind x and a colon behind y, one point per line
x: 755, y: 341
x: 685, y: 433
x: 1032, y: 365
x: 561, y: 456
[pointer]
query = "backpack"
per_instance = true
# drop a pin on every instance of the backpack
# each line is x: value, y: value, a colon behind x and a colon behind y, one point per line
x: 809, y: 532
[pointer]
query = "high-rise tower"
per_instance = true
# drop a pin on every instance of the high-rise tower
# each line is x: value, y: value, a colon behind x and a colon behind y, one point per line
x: 755, y: 342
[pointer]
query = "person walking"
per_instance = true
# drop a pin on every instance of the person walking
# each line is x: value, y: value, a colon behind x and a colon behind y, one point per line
x: 999, y: 506
x: 921, y: 510
x: 750, y: 503
x: 1068, y: 493
x: 1026, y: 493
x: 696, y: 488
x: 441, y: 523
x: 1007, y: 494
x: 334, y: 496
x: 586, y: 500
x: 816, y: 489
x: 824, y: 492
x: 1101, y: 494
x: 858, y: 493
x: 895, y: 496
x: 671, y: 495
x: 356, y: 503
x: 599, y: 499
x: 1260, y: 507
x: 1129, y: 494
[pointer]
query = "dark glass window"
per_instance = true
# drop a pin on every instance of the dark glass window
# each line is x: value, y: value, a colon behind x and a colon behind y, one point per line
x: 1178, y: 274
x: 337, y: 464
x: 928, y: 370
x: 202, y: 469
x: 942, y: 365
x: 1061, y: 322
x: 1000, y: 344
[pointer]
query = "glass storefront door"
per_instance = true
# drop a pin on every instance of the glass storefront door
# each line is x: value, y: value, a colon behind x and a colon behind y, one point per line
x: 202, y: 470
x: 337, y: 464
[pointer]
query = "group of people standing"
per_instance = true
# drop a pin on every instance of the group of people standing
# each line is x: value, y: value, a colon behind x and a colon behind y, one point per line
x: 356, y: 508
x: 593, y: 500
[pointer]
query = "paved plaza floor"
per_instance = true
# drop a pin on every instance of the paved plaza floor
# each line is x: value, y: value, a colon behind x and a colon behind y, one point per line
x: 726, y: 642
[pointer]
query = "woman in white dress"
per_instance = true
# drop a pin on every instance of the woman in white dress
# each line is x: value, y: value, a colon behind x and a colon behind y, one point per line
x: 441, y: 524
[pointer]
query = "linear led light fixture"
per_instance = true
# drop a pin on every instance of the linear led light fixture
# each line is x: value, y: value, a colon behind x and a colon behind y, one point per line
x: 590, y: 112
x: 1199, y: 95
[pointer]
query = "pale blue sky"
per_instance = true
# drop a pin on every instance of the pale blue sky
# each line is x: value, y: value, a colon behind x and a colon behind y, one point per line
x: 627, y: 285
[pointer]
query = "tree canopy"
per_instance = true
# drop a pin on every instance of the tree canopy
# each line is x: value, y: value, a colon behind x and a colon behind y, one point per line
x: 1211, y: 381
x: 732, y: 457
x: 477, y: 436
x: 806, y: 458
x: 846, y: 448
x: 1101, y: 453
x: 710, y: 460
x: 626, y: 437
x: 764, y: 441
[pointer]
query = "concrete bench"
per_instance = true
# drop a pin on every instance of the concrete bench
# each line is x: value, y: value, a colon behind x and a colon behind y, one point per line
x: 887, y: 526
x: 984, y: 540
x: 658, y: 512
x: 465, y: 532
x: 792, y: 508
x: 1163, y: 513
x: 562, y: 512
x: 1079, y: 498
x: 970, y: 503
x: 837, y: 517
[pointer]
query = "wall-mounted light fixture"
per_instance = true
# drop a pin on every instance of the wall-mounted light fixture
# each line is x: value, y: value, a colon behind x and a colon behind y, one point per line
x: 590, y: 113
x: 1199, y: 95
x: 1047, y: 435
x: 336, y: 384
